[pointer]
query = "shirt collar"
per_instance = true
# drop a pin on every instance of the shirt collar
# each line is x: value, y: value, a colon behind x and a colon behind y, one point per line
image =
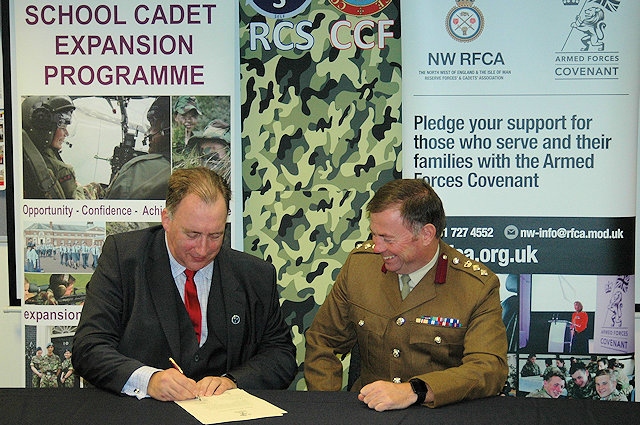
x: 417, y: 276
x: 178, y: 269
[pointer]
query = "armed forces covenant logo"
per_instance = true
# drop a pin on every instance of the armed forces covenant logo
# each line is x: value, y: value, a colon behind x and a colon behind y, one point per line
x: 585, y: 53
x: 465, y: 21
x: 279, y: 9
x: 360, y: 7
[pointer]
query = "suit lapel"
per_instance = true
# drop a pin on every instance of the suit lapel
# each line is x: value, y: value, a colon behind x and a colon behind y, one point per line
x: 163, y: 290
x: 235, y: 307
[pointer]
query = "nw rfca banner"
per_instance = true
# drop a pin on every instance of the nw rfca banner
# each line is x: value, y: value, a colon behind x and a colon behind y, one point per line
x: 523, y: 116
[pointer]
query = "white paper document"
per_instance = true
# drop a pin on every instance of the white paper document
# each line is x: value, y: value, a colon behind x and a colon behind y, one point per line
x: 232, y: 405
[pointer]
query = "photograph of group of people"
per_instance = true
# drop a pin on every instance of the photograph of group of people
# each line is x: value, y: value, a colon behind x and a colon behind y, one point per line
x: 599, y: 378
x: 55, y: 289
x: 62, y: 247
x: 119, y: 147
x: 50, y: 365
x: 555, y: 327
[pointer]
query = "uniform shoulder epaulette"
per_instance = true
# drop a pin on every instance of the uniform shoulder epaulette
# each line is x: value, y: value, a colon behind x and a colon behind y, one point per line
x: 474, y: 268
x: 364, y: 247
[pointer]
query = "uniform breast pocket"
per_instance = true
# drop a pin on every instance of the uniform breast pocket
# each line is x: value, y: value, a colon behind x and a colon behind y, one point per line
x: 443, y: 345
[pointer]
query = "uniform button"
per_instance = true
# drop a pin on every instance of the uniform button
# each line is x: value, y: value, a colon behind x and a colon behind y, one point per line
x: 196, y: 358
x: 437, y: 339
x: 397, y: 380
x: 400, y: 321
x: 396, y: 353
x: 361, y: 322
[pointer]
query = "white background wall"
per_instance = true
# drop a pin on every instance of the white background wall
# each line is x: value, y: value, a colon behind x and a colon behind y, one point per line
x: 12, y: 352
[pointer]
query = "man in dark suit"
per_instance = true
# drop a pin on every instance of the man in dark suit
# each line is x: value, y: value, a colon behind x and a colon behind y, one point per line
x: 135, y: 319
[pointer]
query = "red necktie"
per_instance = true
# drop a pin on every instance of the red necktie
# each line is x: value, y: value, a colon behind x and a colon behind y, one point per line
x: 191, y: 302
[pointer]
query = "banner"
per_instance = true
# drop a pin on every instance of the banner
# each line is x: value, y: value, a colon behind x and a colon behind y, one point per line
x: 321, y: 129
x: 107, y: 100
x: 524, y: 118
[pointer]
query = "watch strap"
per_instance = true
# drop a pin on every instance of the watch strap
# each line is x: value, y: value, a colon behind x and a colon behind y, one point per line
x: 420, y: 388
x: 229, y: 376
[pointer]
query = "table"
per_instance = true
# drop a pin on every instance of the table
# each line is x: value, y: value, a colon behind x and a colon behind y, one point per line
x: 96, y: 407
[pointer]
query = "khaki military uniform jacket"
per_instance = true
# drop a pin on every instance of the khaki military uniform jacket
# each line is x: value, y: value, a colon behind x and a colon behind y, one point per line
x: 142, y: 177
x: 449, y: 334
x: 63, y: 173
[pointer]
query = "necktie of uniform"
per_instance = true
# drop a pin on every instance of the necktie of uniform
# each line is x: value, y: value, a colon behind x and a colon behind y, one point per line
x: 191, y: 302
x: 404, y: 291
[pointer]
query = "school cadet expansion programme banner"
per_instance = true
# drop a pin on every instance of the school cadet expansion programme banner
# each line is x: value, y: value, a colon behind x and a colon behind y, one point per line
x: 142, y: 78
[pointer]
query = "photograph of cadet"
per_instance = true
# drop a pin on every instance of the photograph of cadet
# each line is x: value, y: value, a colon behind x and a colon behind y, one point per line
x: 45, y: 121
x: 175, y: 291
x: 606, y: 383
x: 55, y: 289
x: 211, y: 149
x: 560, y: 364
x: 581, y: 384
x: 186, y: 114
x: 624, y: 372
x: 67, y: 377
x: 35, y: 367
x: 549, y: 303
x: 427, y: 319
x: 103, y: 136
x: 50, y: 366
x: 146, y: 176
x: 32, y: 258
x: 553, y: 383
x: 193, y: 115
x: 63, y: 247
x: 530, y: 368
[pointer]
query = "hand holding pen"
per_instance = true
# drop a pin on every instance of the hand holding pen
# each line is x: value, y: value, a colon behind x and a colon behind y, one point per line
x: 172, y: 385
x: 209, y: 385
x: 179, y: 369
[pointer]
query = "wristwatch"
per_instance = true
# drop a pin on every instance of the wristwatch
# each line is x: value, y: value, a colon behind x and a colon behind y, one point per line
x: 420, y: 388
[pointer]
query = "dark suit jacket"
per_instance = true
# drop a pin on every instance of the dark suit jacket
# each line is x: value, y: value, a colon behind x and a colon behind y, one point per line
x: 133, y: 316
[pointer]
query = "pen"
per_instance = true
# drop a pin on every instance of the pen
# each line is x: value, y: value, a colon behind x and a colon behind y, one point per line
x: 179, y: 369
x: 175, y: 365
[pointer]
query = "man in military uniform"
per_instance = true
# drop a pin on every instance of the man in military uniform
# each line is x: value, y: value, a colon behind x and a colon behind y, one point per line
x: 552, y: 385
x: 581, y: 384
x: 427, y: 319
x: 147, y: 176
x: 50, y: 368
x: 606, y: 386
x: 35, y: 368
x: 530, y: 368
x: 44, y: 130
